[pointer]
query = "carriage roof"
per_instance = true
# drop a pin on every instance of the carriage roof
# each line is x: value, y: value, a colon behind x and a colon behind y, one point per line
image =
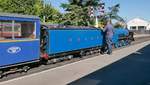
x: 17, y: 15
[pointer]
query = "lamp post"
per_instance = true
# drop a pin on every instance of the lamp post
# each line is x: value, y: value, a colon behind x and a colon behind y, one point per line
x: 44, y: 1
x: 44, y: 6
x: 96, y: 21
x: 100, y: 10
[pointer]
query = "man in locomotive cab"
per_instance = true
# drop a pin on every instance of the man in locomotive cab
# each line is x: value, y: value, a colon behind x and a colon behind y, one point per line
x: 109, y: 31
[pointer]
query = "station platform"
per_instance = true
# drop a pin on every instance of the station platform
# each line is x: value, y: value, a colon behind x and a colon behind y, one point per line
x: 141, y: 35
x: 131, y: 70
x: 63, y: 75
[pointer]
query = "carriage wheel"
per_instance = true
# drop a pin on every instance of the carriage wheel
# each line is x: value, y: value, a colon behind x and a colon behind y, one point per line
x: 25, y: 68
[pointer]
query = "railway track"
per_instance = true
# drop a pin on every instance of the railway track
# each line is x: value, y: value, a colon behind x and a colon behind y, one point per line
x: 46, y: 67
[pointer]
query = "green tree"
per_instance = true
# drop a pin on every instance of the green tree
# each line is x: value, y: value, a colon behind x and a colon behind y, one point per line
x: 119, y: 25
x: 51, y: 14
x: 113, y: 15
x: 78, y: 12
x: 30, y: 7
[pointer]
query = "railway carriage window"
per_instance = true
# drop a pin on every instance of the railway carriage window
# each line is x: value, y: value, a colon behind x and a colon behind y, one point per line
x: 5, y: 29
x: 16, y: 30
x: 26, y: 29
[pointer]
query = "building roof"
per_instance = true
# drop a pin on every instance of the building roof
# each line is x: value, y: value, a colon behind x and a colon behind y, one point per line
x: 18, y: 15
x: 138, y: 22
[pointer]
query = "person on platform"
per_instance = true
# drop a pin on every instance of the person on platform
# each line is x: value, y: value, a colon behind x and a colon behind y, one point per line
x: 109, y: 32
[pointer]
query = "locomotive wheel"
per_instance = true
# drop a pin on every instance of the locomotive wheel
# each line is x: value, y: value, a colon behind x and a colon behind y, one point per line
x: 82, y: 53
x: 70, y: 57
x: 54, y: 61
x: 123, y: 43
x: 126, y: 42
x: 1, y: 74
x: 129, y: 42
x: 116, y: 45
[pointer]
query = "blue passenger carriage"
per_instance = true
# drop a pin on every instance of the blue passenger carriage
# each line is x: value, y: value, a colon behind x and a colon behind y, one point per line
x: 19, y: 39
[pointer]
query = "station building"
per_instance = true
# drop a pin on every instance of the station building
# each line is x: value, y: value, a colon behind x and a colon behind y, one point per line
x: 139, y: 25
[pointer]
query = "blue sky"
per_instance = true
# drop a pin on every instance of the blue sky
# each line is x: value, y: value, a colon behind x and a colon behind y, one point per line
x: 129, y: 9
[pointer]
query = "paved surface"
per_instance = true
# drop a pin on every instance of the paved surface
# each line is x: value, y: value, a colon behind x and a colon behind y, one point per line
x: 132, y: 70
x: 141, y: 35
x: 71, y: 72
